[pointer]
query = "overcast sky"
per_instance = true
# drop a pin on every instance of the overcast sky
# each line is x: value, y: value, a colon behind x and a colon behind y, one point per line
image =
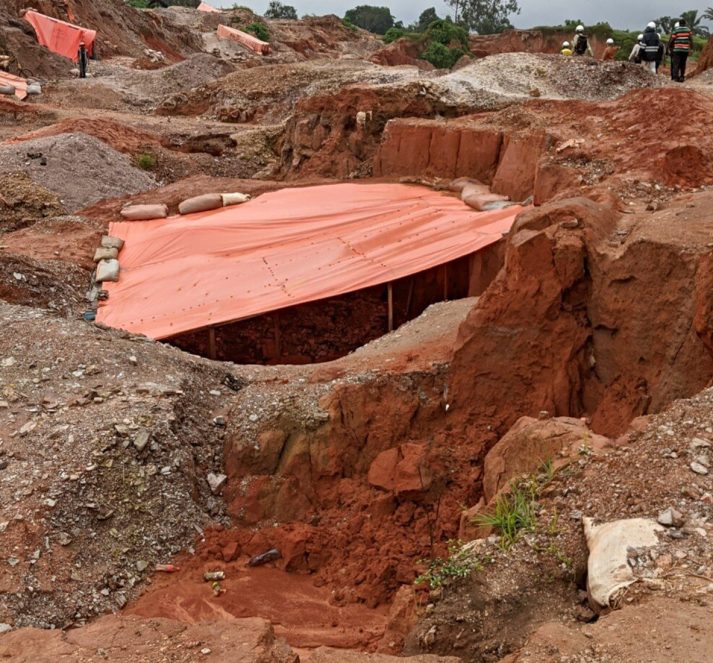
x: 632, y: 14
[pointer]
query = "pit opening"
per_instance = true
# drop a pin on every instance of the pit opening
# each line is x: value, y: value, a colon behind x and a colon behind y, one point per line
x: 330, y: 328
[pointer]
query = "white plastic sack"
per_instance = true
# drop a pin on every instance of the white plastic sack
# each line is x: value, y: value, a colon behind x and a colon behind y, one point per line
x: 608, y: 570
x: 144, y: 212
x: 34, y: 88
x: 104, y: 253
x: 7, y: 89
x: 234, y: 198
x: 109, y: 242
x: 108, y: 270
x: 202, y: 203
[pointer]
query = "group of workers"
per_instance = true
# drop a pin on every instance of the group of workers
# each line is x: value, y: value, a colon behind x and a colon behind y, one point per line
x: 649, y: 50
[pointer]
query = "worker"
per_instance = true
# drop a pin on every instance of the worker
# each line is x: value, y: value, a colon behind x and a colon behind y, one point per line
x: 635, y: 55
x: 581, y: 43
x: 82, y: 57
x: 680, y: 47
x: 566, y: 50
x: 650, y: 47
x: 610, y: 51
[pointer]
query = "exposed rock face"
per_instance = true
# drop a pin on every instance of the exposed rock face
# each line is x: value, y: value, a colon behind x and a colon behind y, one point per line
x: 705, y: 61
x: 594, y: 296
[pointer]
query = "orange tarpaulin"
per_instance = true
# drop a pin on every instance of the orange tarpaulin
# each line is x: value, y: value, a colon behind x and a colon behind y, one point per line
x: 205, y: 7
x: 249, y: 41
x: 285, y: 248
x: 60, y: 37
x: 20, y: 84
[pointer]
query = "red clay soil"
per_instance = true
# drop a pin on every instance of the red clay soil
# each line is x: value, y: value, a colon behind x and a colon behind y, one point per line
x: 526, y: 41
x: 301, y: 612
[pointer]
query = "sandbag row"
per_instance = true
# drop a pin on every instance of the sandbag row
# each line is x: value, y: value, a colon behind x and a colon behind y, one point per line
x: 203, y: 203
x: 107, y: 259
x: 477, y: 195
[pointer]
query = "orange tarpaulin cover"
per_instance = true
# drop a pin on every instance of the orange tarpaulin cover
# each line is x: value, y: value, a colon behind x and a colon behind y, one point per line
x: 249, y: 41
x: 205, y: 7
x: 285, y: 248
x: 19, y: 83
x: 60, y: 37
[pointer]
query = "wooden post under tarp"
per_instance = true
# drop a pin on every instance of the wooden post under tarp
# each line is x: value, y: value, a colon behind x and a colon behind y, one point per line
x: 390, y: 304
x: 212, y: 350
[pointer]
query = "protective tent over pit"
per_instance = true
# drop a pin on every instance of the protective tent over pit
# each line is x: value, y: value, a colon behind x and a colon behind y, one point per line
x: 285, y: 248
x: 59, y: 36
x: 20, y: 84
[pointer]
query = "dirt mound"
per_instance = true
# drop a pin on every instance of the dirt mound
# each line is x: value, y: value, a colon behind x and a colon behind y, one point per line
x: 527, y: 41
x: 525, y: 75
x: 401, y: 52
x: 22, y: 202
x: 97, y: 171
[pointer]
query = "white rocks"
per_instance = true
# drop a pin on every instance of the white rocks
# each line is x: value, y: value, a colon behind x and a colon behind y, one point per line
x: 4, y: 628
x: 141, y: 439
x: 141, y: 565
x: 698, y: 468
x: 670, y: 518
x: 216, y: 482
x: 64, y: 539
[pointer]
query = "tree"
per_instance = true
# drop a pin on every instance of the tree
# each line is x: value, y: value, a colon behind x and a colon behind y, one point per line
x: 374, y: 19
x: 666, y: 24
x: 485, y: 16
x: 693, y: 20
x: 425, y: 19
x: 708, y: 14
x: 277, y: 10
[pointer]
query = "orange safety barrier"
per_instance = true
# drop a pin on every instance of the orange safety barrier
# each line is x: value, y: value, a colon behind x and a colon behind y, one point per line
x: 285, y: 248
x: 249, y: 41
x: 205, y: 7
x: 19, y: 83
x: 59, y: 36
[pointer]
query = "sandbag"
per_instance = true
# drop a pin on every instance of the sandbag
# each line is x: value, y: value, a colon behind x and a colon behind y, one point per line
x: 608, y: 569
x: 34, y: 88
x: 460, y: 183
x: 109, y: 242
x: 480, y: 201
x: 108, y: 270
x: 234, y: 198
x: 7, y: 89
x: 144, y: 212
x: 203, y: 203
x: 104, y: 253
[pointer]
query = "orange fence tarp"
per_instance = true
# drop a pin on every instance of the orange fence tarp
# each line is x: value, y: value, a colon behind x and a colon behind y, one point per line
x: 60, y: 37
x: 20, y: 84
x: 285, y: 248
x: 249, y: 41
x: 205, y: 7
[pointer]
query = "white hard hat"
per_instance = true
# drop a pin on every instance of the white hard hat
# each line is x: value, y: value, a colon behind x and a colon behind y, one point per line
x: 565, y: 44
x: 677, y: 25
x: 580, y: 28
x: 610, y: 42
x: 651, y: 25
x: 640, y: 37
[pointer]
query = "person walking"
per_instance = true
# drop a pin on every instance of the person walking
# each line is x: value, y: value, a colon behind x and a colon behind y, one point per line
x: 82, y: 57
x: 580, y: 44
x: 650, y: 47
x: 680, y: 45
x: 566, y: 50
x: 610, y: 51
x: 635, y: 55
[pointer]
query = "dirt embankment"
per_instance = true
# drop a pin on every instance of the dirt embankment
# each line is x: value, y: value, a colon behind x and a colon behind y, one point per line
x: 705, y: 61
x: 527, y: 41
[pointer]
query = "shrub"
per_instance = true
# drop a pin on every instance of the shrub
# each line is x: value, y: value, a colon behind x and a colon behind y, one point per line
x: 441, y: 56
x: 259, y: 30
x: 347, y: 23
x: 392, y: 34
x: 459, y: 564
x: 513, y: 513
x: 446, y: 33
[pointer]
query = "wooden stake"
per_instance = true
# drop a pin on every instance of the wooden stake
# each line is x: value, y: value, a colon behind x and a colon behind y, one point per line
x: 212, y: 351
x: 409, y: 296
x: 390, y: 300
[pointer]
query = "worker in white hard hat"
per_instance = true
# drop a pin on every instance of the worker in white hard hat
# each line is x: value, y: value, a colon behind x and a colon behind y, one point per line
x: 635, y: 55
x: 610, y: 51
x: 566, y: 48
x: 580, y: 43
x: 650, y: 51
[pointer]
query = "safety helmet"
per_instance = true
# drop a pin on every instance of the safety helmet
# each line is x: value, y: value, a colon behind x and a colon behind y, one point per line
x: 579, y: 28
x: 565, y: 44
x: 677, y: 25
x: 651, y: 25
x: 610, y: 42
x: 640, y: 37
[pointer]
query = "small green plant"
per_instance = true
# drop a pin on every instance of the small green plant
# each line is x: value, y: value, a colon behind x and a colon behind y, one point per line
x: 513, y: 513
x: 348, y: 24
x: 259, y: 30
x: 547, y: 470
x: 459, y: 564
x: 146, y: 161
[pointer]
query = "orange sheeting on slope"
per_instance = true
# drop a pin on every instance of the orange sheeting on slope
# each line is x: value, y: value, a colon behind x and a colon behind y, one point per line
x: 19, y: 83
x: 205, y: 7
x: 60, y: 37
x: 249, y: 41
x: 285, y: 248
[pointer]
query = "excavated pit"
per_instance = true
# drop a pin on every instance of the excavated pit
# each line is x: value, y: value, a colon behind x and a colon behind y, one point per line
x: 325, y: 330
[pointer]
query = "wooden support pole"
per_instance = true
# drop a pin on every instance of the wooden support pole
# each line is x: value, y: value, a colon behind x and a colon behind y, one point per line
x: 409, y: 296
x: 390, y: 304
x: 278, y: 338
x: 212, y: 350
